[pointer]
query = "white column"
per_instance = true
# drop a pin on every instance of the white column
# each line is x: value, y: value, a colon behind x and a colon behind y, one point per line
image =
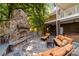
x: 57, y: 30
x: 76, y: 9
x: 61, y: 30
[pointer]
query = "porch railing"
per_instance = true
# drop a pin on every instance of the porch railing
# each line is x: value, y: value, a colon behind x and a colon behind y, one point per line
x: 68, y: 12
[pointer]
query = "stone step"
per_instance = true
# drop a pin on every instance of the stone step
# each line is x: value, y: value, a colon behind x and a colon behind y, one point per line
x: 20, y: 40
x: 75, y: 52
x: 3, y: 49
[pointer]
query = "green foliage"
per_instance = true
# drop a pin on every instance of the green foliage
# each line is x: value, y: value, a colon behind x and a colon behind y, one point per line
x: 37, y: 13
x: 3, y: 12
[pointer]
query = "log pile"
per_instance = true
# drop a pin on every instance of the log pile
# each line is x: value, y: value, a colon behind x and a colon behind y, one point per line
x: 61, y: 49
x: 57, y: 51
x: 63, y: 40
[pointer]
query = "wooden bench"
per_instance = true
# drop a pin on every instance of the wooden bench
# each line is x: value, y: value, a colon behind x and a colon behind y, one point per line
x: 44, y: 38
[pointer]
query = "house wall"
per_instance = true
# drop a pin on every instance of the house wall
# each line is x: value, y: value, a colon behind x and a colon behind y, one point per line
x: 71, y: 27
x: 71, y: 30
x: 51, y: 17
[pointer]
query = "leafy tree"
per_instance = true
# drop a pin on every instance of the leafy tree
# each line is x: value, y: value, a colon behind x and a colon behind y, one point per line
x: 3, y: 12
x: 37, y: 13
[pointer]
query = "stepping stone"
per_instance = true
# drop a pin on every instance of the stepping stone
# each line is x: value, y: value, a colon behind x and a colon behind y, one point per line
x: 3, y: 49
x: 75, y: 52
x: 75, y: 45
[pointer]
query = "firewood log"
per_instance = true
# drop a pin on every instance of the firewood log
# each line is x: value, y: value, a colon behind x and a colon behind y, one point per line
x: 59, y: 52
x: 59, y: 42
x: 69, y: 39
x: 60, y: 37
x: 68, y: 47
